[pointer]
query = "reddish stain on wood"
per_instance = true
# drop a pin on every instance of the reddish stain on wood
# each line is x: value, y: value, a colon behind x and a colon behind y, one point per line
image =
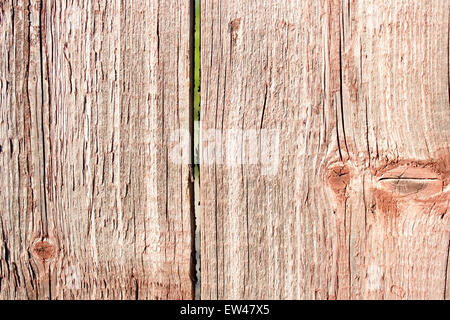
x: 385, y: 202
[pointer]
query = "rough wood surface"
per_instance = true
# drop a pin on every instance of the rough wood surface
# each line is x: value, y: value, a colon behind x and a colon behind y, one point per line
x: 358, y: 204
x: 91, y: 203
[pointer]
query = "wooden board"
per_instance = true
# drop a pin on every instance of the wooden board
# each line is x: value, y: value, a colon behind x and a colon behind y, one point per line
x: 93, y: 201
x: 352, y: 202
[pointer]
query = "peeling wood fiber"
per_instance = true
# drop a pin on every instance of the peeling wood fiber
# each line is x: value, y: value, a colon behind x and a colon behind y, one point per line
x: 91, y: 205
x: 358, y: 92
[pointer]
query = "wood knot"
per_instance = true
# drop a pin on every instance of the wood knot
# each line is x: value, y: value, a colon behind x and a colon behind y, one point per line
x: 398, y: 291
x: 235, y: 24
x: 44, y: 250
x: 420, y: 182
x: 338, y: 178
x: 233, y: 28
x: 410, y: 184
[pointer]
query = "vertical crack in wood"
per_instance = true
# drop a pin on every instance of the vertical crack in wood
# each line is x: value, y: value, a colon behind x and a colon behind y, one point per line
x: 342, y: 44
x: 192, y: 181
x: 215, y: 174
x: 446, y: 271
x: 44, y: 174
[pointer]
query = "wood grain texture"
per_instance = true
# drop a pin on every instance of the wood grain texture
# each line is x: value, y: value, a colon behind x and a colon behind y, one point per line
x: 359, y: 94
x: 92, y: 203
x: 22, y: 198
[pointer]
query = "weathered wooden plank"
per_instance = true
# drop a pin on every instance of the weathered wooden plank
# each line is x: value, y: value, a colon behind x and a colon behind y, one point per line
x: 353, y: 200
x: 113, y: 86
x: 22, y: 210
